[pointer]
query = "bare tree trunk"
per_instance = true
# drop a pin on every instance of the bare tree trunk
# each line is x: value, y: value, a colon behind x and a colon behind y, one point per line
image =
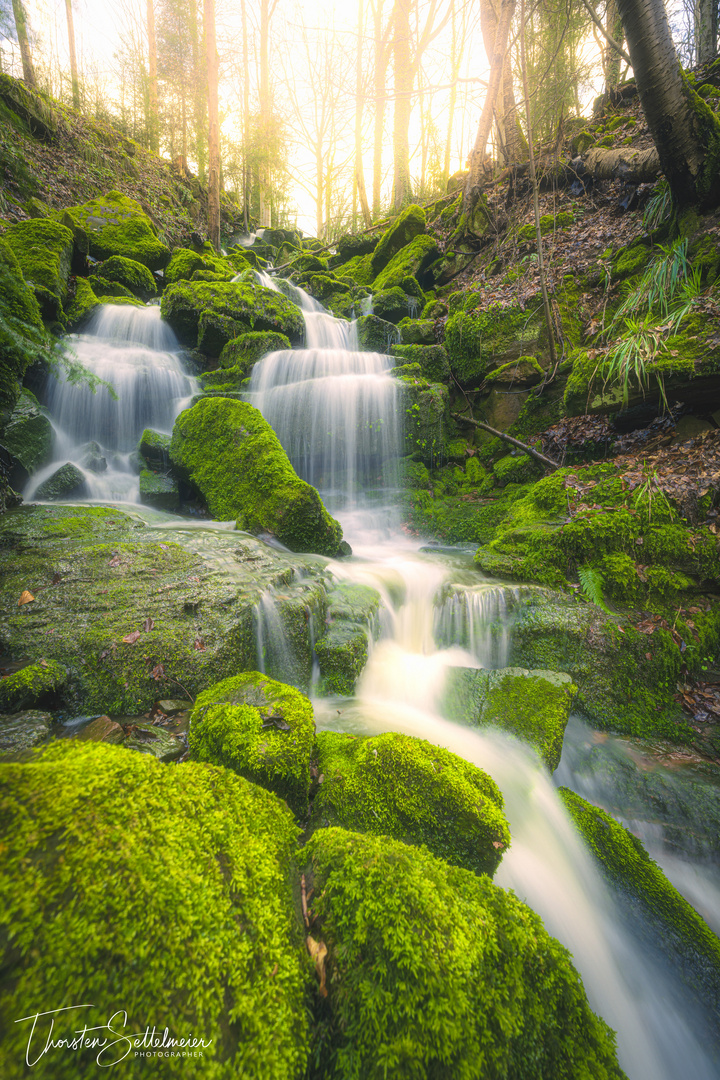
x: 22, y: 36
x: 379, y: 87
x: 511, y: 137
x: 403, y: 72
x: 246, y: 117
x: 685, y: 130
x: 264, y: 107
x: 73, y: 58
x: 359, y: 172
x: 614, y: 26
x: 473, y: 184
x: 455, y: 60
x: 153, y: 119
x: 213, y: 125
x: 706, y: 29
x: 198, y: 102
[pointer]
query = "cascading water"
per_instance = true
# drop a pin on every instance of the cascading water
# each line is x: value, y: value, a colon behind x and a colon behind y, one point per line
x: 321, y: 403
x: 137, y: 354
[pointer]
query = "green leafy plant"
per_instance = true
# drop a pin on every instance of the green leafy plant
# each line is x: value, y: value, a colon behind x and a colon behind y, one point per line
x: 592, y: 582
x: 658, y: 206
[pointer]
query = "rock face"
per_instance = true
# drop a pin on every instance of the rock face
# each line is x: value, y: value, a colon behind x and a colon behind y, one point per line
x: 43, y: 249
x: 27, y: 433
x: 250, y: 306
x: 500, y: 998
x: 342, y: 650
x: 66, y: 483
x: 23, y: 730
x: 532, y: 705
x: 36, y: 684
x: 395, y: 785
x: 159, y: 491
x: 233, y: 457
x: 262, y: 730
x: 199, y: 842
x: 21, y: 328
x: 118, y: 225
x: 375, y: 334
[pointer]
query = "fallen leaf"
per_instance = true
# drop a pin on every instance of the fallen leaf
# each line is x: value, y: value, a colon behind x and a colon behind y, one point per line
x: 130, y: 639
x: 158, y: 672
x: 199, y: 644
x: 148, y: 625
x: 115, y: 561
x: 25, y: 598
x: 56, y: 579
x: 318, y: 952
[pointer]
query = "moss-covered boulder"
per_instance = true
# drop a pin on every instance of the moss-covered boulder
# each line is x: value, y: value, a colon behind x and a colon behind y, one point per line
x: 159, y: 491
x: 374, y: 334
x: 22, y: 731
x: 26, y: 432
x: 36, y: 684
x: 357, y: 270
x: 214, y: 332
x: 391, y: 304
x: 82, y: 305
x: 410, y: 261
x: 483, y: 990
x: 417, y: 331
x: 104, y: 287
x: 479, y: 341
x: 118, y: 225
x: 232, y: 456
x: 395, y: 785
x: 532, y: 705
x: 183, y: 264
x: 133, y: 275
x: 425, y: 407
x: 250, y: 305
x: 525, y: 371
x: 22, y: 334
x: 342, y: 650
x: 626, y: 865
x: 262, y: 730
x: 433, y: 360
x: 67, y: 482
x: 246, y: 349
x: 154, y: 449
x: 43, y: 249
x: 409, y: 224
x: 200, y: 842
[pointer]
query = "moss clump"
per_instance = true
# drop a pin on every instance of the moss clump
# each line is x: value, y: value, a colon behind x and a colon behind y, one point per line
x: 232, y: 456
x: 244, y: 351
x: 375, y: 334
x: 417, y: 331
x: 27, y: 433
x: 217, y: 852
x: 262, y: 730
x: 183, y: 264
x: 433, y: 360
x: 357, y: 270
x: 133, y: 275
x: 250, y: 305
x: 532, y: 705
x: 214, y: 332
x: 406, y: 788
x: 105, y: 288
x: 43, y: 249
x: 36, y: 684
x: 483, y: 990
x: 410, y: 261
x: 515, y: 470
x: 82, y: 306
x: 22, y: 333
x: 117, y: 225
x: 630, y: 260
x: 625, y: 863
x: 548, y: 224
x: 480, y: 341
x: 406, y: 227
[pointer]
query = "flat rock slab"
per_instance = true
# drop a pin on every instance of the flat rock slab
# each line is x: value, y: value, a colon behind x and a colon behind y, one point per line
x: 23, y: 730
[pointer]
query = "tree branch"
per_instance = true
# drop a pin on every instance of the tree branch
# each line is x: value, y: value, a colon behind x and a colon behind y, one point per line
x: 611, y: 41
x: 547, y: 462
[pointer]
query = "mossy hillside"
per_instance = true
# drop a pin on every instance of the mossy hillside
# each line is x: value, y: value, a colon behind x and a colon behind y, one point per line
x: 548, y: 224
x: 482, y: 991
x: 409, y: 224
x: 532, y: 705
x: 626, y: 865
x: 43, y: 249
x: 262, y: 730
x: 117, y: 225
x: 406, y: 788
x: 22, y: 334
x: 36, y: 684
x: 228, y: 965
x: 27, y: 432
x: 410, y: 261
x: 246, y: 349
x: 133, y: 275
x: 81, y: 306
x: 232, y: 456
x: 250, y: 305
x: 115, y: 574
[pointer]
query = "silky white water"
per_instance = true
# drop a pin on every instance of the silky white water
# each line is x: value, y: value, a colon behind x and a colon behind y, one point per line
x: 137, y: 354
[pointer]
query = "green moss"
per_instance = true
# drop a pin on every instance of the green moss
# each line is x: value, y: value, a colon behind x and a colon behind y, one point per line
x: 409, y: 224
x: 233, y: 457
x: 630, y: 260
x: 105, y: 288
x: 133, y: 275
x: 417, y: 331
x: 250, y: 305
x: 391, y: 304
x: 478, y: 341
x: 82, y: 306
x: 262, y: 730
x: 425, y: 406
x: 159, y: 491
x: 36, y: 684
x: 433, y: 360
x: 122, y: 301
x: 27, y: 432
x: 548, y: 224
x: 67, y: 482
x: 182, y: 265
x: 342, y: 653
x: 154, y: 448
x: 358, y: 270
x: 625, y: 864
x: 398, y: 786
x: 481, y: 990
x: 409, y: 261
x: 375, y: 334
x: 306, y: 262
x: 117, y: 225
x: 43, y: 249
x: 244, y: 351
x: 22, y: 333
x: 227, y: 967
x: 515, y: 470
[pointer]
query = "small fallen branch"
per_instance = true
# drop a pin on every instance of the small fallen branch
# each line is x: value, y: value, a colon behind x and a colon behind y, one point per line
x: 547, y: 462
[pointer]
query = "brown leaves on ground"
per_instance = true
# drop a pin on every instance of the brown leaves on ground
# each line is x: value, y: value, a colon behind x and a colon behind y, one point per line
x: 25, y: 598
x: 684, y: 472
x: 702, y: 701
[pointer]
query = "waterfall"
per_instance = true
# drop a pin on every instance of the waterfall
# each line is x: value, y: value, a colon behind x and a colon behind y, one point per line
x: 137, y: 354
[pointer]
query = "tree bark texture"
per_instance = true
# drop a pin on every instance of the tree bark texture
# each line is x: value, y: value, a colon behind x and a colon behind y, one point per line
x: 685, y: 130
x: 379, y: 90
x: 213, y: 125
x: 511, y: 138
x: 403, y: 72
x: 153, y: 117
x: 73, y: 57
x: 198, y: 97
x: 706, y: 30
x: 265, y: 212
x: 359, y: 173
x: 22, y: 35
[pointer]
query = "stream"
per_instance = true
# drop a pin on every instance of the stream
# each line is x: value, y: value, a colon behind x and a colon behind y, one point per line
x: 336, y: 412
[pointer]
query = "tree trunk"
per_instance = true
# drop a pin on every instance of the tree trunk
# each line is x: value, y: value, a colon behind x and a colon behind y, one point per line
x: 198, y: 102
x: 264, y: 109
x: 213, y: 125
x: 246, y: 117
x: 22, y: 36
x: 359, y: 173
x: 73, y: 58
x: 685, y: 130
x: 403, y: 72
x: 473, y: 184
x: 379, y: 87
x: 511, y: 138
x: 706, y: 29
x: 455, y: 61
x: 153, y: 119
x: 614, y: 28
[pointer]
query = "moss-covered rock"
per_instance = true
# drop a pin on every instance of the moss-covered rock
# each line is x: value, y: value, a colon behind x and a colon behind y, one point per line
x: 409, y: 224
x: 515, y: 469
x: 425, y: 407
x: 117, y: 225
x: 262, y: 730
x: 248, y: 304
x: 22, y: 334
x: 22, y: 731
x: 105, y: 288
x: 525, y: 371
x: 154, y: 449
x: 342, y: 650
x: 83, y: 304
x: 246, y: 349
x: 410, y: 261
x: 406, y: 788
x: 532, y: 705
x: 433, y: 360
x: 481, y: 341
x: 214, y: 332
x: 68, y: 482
x: 357, y: 270
x: 36, y: 684
x: 43, y: 249
x: 417, y: 331
x: 626, y: 865
x: 133, y: 275
x: 27, y: 433
x: 391, y: 304
x: 82, y: 814
x: 482, y: 991
x: 233, y: 457
x: 182, y: 265
x: 159, y: 491
x: 374, y: 334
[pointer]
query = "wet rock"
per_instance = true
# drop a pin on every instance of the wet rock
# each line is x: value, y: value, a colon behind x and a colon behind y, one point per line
x: 342, y: 651
x: 246, y: 349
x: 532, y: 705
x: 92, y: 458
x: 159, y: 491
x: 249, y: 304
x: 66, y: 483
x: 101, y: 729
x: 23, y: 730
x: 27, y: 434
x: 34, y: 684
x: 149, y: 739
x: 154, y: 448
x: 433, y: 360
x: 171, y: 706
x: 375, y: 334
x: 426, y: 407
x: 417, y: 332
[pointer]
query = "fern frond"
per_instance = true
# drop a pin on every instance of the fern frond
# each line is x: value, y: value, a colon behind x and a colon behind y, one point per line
x: 592, y: 583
